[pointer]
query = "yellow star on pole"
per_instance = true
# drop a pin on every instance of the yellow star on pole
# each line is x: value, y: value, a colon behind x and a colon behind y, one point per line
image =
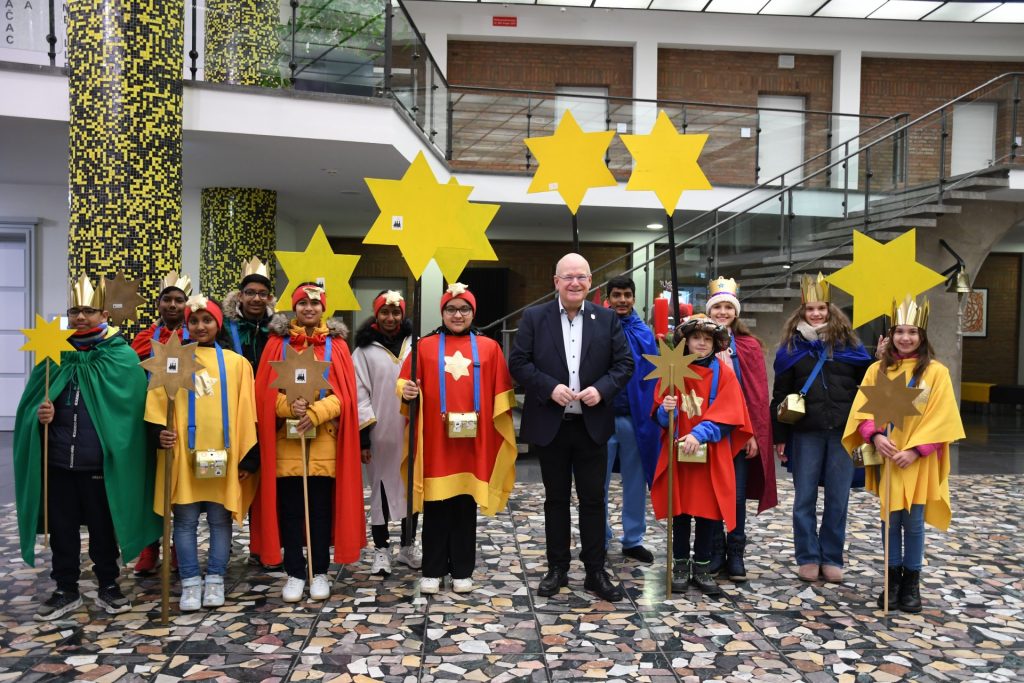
x: 318, y: 263
x: 890, y: 400
x: 418, y: 214
x: 881, y: 273
x: 570, y: 161
x: 666, y: 162
x: 474, y: 219
x: 457, y: 365
x: 674, y: 362
x: 47, y: 340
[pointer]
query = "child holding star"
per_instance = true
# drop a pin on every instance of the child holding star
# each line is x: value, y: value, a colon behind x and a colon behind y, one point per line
x: 918, y: 449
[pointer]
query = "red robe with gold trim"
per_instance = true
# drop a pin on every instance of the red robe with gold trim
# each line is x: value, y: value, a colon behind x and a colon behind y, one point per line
x: 708, y: 489
x: 349, y: 520
x: 484, y: 466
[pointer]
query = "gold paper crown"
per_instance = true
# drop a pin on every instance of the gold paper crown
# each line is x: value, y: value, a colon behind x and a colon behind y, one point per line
x: 84, y: 295
x: 911, y: 313
x: 814, y: 290
x: 182, y: 282
x: 722, y: 284
x: 254, y: 267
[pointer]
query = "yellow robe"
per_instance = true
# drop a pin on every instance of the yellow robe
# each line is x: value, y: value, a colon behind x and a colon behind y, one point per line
x: 926, y: 480
x: 234, y: 495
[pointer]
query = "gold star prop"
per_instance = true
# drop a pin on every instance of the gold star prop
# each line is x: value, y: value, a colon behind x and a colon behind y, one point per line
x: 122, y: 299
x: 473, y: 221
x: 675, y: 359
x: 300, y: 374
x: 691, y: 404
x: 172, y: 366
x: 570, y: 161
x: 319, y: 263
x: 890, y: 400
x: 47, y: 340
x: 666, y: 162
x: 881, y: 273
x: 457, y: 366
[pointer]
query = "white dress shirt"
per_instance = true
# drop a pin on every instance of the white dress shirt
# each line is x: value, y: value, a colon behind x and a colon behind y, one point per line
x: 572, y: 338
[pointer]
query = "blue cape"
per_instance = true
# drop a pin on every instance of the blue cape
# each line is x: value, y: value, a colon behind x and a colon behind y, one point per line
x: 641, y: 392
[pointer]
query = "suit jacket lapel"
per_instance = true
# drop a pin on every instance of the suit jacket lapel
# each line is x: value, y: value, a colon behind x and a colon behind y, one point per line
x: 554, y: 323
x: 587, y: 330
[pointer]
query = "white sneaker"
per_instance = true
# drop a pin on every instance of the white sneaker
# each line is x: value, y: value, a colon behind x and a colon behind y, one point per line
x: 462, y: 585
x: 191, y: 597
x: 411, y: 556
x: 320, y: 589
x: 381, y: 562
x: 213, y: 591
x: 293, y: 588
x: 429, y: 585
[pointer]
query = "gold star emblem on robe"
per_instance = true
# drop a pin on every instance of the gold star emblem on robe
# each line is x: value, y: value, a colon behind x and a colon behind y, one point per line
x: 890, y: 400
x: 666, y: 162
x: 883, y: 273
x: 570, y: 161
x: 319, y: 263
x: 691, y: 403
x: 122, y: 298
x: 47, y: 339
x: 671, y: 364
x: 300, y: 374
x: 172, y: 366
x: 457, y: 365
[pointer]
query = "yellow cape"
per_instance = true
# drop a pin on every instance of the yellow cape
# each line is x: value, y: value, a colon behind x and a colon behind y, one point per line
x: 926, y: 480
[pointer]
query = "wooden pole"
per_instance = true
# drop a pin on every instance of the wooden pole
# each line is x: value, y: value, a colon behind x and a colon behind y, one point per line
x: 887, y: 507
x: 671, y: 480
x: 305, y: 509
x: 46, y: 463
x: 575, y: 235
x: 673, y: 269
x: 165, y: 566
x: 409, y: 522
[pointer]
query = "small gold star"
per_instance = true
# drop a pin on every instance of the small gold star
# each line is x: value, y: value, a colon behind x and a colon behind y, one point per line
x: 457, y: 365
x: 672, y: 362
x: 691, y: 404
x: 172, y: 366
x: 300, y: 374
x: 890, y: 400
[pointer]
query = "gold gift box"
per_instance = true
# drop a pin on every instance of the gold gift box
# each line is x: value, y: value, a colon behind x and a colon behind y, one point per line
x: 291, y: 430
x: 865, y: 455
x: 699, y: 456
x: 211, y: 464
x: 461, y: 425
x: 792, y: 409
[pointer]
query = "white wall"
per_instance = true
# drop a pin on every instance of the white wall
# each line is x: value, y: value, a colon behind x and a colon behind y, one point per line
x: 49, y: 203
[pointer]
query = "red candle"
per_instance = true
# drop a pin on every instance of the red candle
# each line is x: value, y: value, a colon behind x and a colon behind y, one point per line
x: 660, y: 317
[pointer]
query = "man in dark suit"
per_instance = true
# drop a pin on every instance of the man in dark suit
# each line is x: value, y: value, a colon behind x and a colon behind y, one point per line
x: 572, y: 358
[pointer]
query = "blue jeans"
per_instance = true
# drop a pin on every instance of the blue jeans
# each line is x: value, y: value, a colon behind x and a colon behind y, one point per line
x: 816, y: 457
x: 741, y: 465
x: 186, y: 528
x: 634, y: 483
x: 906, y: 538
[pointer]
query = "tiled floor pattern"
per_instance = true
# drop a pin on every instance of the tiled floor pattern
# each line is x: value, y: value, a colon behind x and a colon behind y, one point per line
x: 772, y: 628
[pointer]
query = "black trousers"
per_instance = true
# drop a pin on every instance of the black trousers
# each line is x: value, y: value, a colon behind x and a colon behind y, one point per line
x: 449, y: 537
x: 78, y: 498
x: 705, y: 528
x: 380, y: 531
x: 574, y: 454
x: 292, y: 523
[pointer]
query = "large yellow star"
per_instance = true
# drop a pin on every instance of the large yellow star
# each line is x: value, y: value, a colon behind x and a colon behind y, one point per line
x: 671, y: 363
x: 881, y: 273
x: 457, y: 365
x: 319, y: 263
x: 473, y: 221
x: 47, y: 340
x: 890, y: 400
x: 418, y: 214
x: 666, y: 162
x: 570, y: 161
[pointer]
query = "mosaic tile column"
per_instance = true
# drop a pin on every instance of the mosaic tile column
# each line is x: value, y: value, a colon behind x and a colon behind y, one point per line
x: 241, y: 42
x: 237, y: 224
x: 125, y: 61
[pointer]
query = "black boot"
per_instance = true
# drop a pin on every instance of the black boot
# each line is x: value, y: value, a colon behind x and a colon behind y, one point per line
x: 680, y: 575
x: 704, y: 580
x: 717, y: 549
x: 734, y: 566
x: 895, y: 575
x: 910, y: 592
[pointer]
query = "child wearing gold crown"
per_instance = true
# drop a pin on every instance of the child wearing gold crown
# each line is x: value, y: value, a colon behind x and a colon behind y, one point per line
x: 818, y: 365
x: 918, y: 450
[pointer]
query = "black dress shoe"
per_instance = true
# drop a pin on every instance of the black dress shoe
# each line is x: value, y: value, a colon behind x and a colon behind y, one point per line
x: 554, y: 580
x: 600, y: 585
x: 639, y: 553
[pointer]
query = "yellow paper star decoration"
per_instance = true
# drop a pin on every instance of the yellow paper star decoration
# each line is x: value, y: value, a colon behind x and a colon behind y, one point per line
x: 457, y: 365
x: 172, y: 366
x: 890, y: 400
x: 666, y: 162
x: 473, y: 221
x: 570, y: 161
x: 319, y: 263
x: 47, y: 340
x: 881, y: 273
x: 674, y: 362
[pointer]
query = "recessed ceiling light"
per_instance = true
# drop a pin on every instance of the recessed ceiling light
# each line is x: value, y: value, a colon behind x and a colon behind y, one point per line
x: 654, y: 226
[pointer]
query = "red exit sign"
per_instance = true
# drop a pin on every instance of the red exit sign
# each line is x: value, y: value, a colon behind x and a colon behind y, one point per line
x: 507, y: 22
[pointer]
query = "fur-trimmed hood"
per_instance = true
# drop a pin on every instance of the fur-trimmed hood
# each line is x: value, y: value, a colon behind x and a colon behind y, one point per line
x: 279, y: 325
x: 366, y: 335
x: 232, y: 305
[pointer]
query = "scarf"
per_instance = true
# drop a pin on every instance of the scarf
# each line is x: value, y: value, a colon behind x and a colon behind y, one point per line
x: 86, y: 339
x: 808, y: 331
x: 248, y: 330
x: 297, y: 334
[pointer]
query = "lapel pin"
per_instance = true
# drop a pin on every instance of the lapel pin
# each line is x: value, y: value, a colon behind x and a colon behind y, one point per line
x: 593, y: 317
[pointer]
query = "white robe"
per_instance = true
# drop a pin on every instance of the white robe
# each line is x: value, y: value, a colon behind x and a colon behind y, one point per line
x: 376, y: 376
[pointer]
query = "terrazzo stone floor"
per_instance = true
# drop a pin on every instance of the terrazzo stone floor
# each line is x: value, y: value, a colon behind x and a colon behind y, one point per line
x: 772, y: 628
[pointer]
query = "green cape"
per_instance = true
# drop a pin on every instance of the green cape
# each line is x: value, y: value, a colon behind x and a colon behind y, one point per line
x: 114, y: 388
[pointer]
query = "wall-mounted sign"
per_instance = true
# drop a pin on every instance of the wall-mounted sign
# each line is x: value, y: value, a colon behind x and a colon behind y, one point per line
x: 506, y: 22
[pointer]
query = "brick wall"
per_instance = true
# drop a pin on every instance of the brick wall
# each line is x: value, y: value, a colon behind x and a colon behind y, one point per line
x: 993, y: 358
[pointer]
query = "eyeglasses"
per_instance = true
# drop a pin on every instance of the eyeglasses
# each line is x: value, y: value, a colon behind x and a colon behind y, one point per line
x: 573, y: 278
x: 256, y: 294
x: 86, y: 311
x: 451, y: 310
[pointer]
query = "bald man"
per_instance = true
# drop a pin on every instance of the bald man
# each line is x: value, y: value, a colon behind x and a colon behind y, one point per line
x: 572, y: 358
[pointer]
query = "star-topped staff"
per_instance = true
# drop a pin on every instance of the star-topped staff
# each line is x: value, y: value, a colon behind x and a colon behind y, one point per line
x: 571, y: 162
x: 47, y: 341
x: 172, y: 366
x: 319, y: 263
x: 667, y: 363
x: 666, y: 164
x: 123, y: 299
x: 301, y: 376
x: 888, y: 402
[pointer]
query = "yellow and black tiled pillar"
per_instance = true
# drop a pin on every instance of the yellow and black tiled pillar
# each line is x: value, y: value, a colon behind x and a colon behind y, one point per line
x: 237, y: 224
x: 241, y: 42
x: 125, y: 60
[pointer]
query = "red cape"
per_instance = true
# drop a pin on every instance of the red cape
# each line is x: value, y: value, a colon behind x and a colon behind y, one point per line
x: 760, y: 479
x: 143, y: 342
x: 349, y: 518
x: 708, y: 489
